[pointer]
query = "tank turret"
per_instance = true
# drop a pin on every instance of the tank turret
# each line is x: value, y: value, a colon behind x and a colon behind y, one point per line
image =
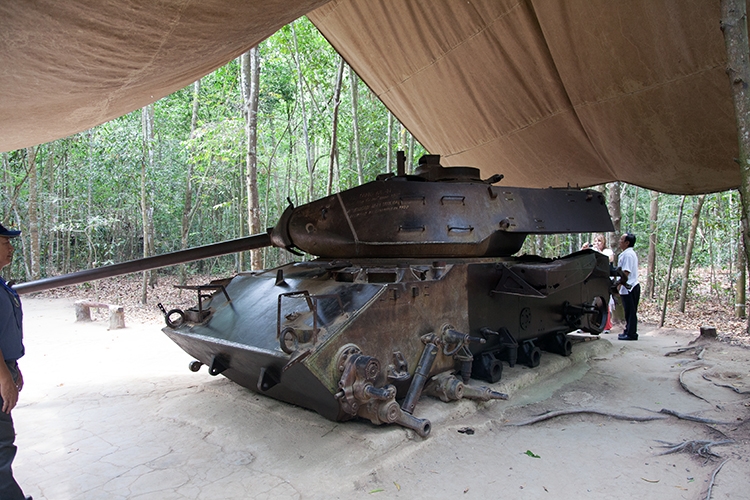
x: 437, y: 212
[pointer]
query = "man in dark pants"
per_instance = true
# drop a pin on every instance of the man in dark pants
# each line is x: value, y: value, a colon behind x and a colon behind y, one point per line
x: 630, y: 290
x: 11, y: 379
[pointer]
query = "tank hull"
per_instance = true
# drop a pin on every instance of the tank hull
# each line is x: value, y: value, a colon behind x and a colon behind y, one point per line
x: 292, y: 333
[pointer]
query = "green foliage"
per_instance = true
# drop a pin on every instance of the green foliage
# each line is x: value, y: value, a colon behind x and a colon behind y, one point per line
x: 89, y: 184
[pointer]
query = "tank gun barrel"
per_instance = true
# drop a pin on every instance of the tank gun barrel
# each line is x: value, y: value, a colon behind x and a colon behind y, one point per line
x: 147, y: 263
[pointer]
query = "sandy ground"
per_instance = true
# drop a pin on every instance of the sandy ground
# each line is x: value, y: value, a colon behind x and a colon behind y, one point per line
x: 117, y: 415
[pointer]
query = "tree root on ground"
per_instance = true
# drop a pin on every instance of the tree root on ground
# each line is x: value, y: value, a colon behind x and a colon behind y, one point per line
x: 559, y: 413
x: 692, y: 418
x: 682, y: 350
x: 685, y: 387
x: 702, y: 448
x: 713, y: 477
x: 728, y: 386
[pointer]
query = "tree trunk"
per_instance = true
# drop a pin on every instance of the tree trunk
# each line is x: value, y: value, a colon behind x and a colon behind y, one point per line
x: 52, y: 219
x: 689, y: 252
x: 741, y: 283
x: 90, y: 258
x: 34, y: 254
x: 335, y: 125
x: 147, y: 123
x: 250, y: 91
x: 652, y: 240
x: 308, y: 144
x: 671, y: 262
x: 24, y: 246
x: 188, y: 210
x: 615, y: 213
x: 355, y: 125
x: 734, y: 27
x: 389, y: 142
x: 410, y: 153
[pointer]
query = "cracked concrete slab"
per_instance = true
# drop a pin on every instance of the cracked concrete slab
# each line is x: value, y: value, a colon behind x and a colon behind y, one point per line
x: 117, y: 415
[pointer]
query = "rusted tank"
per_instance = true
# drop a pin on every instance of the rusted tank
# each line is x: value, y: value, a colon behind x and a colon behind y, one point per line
x: 415, y: 290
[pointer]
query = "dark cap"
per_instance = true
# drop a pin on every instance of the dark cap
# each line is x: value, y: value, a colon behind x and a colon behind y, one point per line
x: 7, y: 233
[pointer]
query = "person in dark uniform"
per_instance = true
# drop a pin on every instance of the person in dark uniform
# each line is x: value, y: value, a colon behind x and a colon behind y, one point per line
x: 11, y: 379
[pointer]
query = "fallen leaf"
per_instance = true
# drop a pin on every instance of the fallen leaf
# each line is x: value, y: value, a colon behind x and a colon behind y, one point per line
x: 376, y: 491
x: 650, y: 480
x: 398, y: 486
x: 531, y: 454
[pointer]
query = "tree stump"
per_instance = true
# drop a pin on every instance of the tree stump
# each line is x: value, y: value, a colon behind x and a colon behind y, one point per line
x: 708, y: 333
x: 83, y: 311
x: 116, y: 317
x: 116, y: 313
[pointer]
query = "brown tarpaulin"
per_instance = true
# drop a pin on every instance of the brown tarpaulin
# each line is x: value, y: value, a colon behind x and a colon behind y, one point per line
x: 547, y: 92
x: 68, y: 65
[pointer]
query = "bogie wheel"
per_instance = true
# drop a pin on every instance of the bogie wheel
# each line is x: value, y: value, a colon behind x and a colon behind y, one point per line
x: 195, y: 365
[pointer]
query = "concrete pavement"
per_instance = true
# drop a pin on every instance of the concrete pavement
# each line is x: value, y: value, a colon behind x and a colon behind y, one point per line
x: 117, y: 415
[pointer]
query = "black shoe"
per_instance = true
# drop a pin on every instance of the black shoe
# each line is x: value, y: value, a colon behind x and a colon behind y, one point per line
x: 625, y: 336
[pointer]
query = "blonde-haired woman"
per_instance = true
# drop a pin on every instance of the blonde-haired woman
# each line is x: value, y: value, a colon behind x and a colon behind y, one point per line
x: 600, y: 245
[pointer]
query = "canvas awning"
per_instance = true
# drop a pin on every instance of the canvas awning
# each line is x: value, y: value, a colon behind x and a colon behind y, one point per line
x: 546, y: 92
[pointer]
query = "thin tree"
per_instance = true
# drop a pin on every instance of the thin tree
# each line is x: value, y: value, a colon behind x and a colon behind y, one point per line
x: 355, y: 124
x: 652, y: 240
x: 402, y: 145
x: 305, y: 126
x: 615, y: 212
x: 689, y: 252
x: 147, y: 164
x: 188, y: 209
x: 741, y: 283
x: 734, y: 27
x: 389, y: 145
x: 671, y: 262
x: 335, y: 124
x: 410, y: 152
x: 34, y: 254
x: 250, y: 64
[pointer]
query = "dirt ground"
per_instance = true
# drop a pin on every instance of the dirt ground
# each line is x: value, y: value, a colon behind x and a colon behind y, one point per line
x: 117, y: 415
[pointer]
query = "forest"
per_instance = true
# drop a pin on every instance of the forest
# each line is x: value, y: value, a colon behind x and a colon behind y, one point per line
x: 289, y: 121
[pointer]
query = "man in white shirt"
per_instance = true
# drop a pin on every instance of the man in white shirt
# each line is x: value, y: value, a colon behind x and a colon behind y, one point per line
x: 630, y: 290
